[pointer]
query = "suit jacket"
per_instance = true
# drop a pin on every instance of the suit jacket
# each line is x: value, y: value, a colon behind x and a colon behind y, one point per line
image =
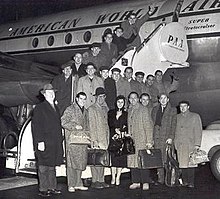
x: 46, y: 127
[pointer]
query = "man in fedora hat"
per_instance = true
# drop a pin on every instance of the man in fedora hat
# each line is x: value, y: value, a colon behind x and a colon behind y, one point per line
x: 47, y: 139
x: 99, y: 132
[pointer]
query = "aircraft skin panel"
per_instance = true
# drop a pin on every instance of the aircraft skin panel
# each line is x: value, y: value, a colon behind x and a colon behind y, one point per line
x: 200, y: 19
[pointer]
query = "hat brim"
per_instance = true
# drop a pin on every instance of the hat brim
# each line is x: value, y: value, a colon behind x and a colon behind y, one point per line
x: 43, y: 91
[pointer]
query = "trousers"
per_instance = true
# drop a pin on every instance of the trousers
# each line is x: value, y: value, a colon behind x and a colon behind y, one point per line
x: 47, y: 178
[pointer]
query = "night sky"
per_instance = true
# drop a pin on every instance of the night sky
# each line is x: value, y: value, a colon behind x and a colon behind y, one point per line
x: 12, y: 10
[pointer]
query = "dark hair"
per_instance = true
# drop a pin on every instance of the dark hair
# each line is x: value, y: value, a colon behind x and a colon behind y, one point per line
x: 119, y: 27
x: 133, y: 92
x: 150, y: 75
x: 80, y: 93
x: 132, y: 14
x: 184, y: 102
x: 145, y: 94
x: 157, y: 71
x: 90, y: 63
x: 118, y: 98
x: 129, y: 67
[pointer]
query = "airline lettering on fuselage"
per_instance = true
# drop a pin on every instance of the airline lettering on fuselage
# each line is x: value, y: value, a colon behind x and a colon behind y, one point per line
x: 191, y: 6
x: 58, y: 25
x: 106, y: 18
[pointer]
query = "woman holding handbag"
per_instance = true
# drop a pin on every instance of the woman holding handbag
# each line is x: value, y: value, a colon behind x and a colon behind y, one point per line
x: 117, y: 121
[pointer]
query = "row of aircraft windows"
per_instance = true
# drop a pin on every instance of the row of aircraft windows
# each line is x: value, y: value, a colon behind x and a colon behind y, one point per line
x: 68, y: 39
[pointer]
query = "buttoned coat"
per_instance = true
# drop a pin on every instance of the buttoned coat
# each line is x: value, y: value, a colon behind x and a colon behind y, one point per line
x: 108, y: 52
x: 140, y: 127
x: 46, y: 127
x: 98, y: 125
x: 188, y: 134
x: 76, y: 154
x: 87, y: 86
x: 167, y: 128
x: 66, y: 90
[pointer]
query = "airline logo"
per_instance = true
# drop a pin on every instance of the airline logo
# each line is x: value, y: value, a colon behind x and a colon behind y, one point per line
x: 173, y: 43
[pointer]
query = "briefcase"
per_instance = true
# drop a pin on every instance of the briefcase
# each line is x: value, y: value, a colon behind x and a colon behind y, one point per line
x: 80, y: 137
x: 149, y: 159
x: 98, y: 157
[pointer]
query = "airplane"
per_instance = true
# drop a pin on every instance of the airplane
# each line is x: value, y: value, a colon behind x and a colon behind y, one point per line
x: 52, y: 40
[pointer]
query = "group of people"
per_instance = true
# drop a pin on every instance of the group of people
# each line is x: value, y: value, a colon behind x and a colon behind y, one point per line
x: 87, y: 98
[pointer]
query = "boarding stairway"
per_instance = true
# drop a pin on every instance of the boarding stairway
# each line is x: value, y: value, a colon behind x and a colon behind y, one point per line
x: 166, y: 47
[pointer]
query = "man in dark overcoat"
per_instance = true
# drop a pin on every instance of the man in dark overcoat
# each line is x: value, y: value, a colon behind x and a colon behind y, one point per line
x: 110, y: 87
x: 66, y: 84
x: 164, y: 127
x: 47, y: 139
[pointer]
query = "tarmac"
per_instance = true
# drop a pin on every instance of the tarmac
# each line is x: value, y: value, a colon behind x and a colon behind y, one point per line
x: 206, y: 187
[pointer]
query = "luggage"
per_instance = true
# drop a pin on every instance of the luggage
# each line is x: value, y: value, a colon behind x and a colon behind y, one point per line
x: 80, y: 137
x: 172, y: 171
x: 150, y: 158
x: 98, y: 157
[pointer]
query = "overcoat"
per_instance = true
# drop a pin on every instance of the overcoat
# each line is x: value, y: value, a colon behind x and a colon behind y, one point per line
x: 167, y: 128
x: 108, y: 52
x: 140, y: 127
x: 123, y: 87
x: 87, y: 86
x: 46, y: 127
x: 76, y: 154
x: 130, y: 29
x: 98, y: 125
x: 110, y: 91
x: 188, y: 134
x: 66, y: 90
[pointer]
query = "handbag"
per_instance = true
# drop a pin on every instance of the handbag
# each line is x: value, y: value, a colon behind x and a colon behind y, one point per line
x: 115, y: 146
x: 196, y: 157
x: 98, y: 157
x: 80, y: 137
x: 128, y: 147
x: 149, y: 159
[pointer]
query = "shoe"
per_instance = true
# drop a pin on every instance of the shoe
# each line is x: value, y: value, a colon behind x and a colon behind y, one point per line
x: 112, y: 181
x: 117, y: 182
x: 190, y: 185
x: 71, y: 189
x: 105, y: 185
x: 135, y: 186
x: 97, y: 185
x: 146, y: 186
x: 82, y: 188
x: 54, y: 191
x: 44, y: 193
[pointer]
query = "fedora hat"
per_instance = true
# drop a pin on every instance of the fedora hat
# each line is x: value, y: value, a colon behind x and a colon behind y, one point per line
x: 99, y: 91
x: 47, y: 87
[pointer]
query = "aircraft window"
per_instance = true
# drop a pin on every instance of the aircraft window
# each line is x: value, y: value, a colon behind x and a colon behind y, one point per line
x: 35, y: 42
x: 87, y: 36
x: 68, y: 38
x: 50, y: 40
